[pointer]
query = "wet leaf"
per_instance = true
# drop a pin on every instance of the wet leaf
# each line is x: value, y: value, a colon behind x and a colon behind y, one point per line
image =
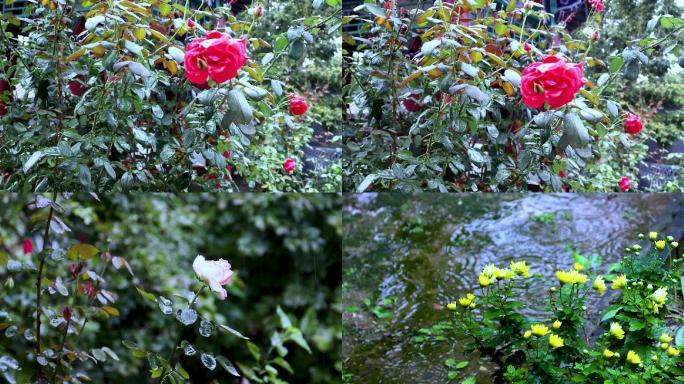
x: 186, y: 316
x: 208, y: 360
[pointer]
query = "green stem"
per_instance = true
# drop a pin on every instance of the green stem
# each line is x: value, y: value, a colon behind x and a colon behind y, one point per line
x: 39, y: 279
x: 172, y: 354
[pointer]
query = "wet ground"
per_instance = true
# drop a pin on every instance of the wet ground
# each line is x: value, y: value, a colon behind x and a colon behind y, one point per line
x: 406, y: 256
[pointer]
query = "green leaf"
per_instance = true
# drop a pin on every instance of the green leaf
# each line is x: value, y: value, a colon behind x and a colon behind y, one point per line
x: 82, y: 251
x: 430, y: 46
x: 679, y: 336
x: 284, y: 319
x: 232, y: 331
x: 367, y: 181
x: 35, y: 157
x: 227, y: 365
x: 610, y: 314
x: 295, y: 335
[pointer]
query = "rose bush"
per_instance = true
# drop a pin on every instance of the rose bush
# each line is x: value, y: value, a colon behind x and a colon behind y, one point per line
x: 150, y: 95
x: 532, y: 109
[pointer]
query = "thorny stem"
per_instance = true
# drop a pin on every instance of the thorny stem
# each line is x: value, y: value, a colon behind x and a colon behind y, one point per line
x: 172, y: 353
x: 39, y: 279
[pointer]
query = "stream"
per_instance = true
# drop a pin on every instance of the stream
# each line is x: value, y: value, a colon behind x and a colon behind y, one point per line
x: 406, y: 256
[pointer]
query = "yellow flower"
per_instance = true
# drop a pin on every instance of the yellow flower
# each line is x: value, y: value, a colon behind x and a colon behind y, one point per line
x: 451, y: 306
x: 653, y: 235
x: 539, y: 329
x: 674, y: 244
x: 527, y: 334
x: 484, y: 280
x: 664, y: 346
x: 571, y: 277
x: 466, y: 301
x: 665, y: 338
x: 659, y: 296
x: 520, y: 268
x: 557, y: 324
x: 578, y: 267
x: 672, y: 351
x: 607, y: 353
x: 617, y: 331
x: 503, y: 273
x: 660, y: 245
x: 555, y: 341
x: 633, y: 358
x: 599, y: 284
x: 489, y: 270
x: 620, y: 282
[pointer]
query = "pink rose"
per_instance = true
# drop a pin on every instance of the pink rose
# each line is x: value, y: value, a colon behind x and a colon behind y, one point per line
x: 633, y: 124
x: 289, y: 165
x: 217, y: 56
x: 215, y: 273
x: 553, y: 80
x: 598, y: 4
x: 625, y: 184
x: 298, y: 105
x: 527, y: 47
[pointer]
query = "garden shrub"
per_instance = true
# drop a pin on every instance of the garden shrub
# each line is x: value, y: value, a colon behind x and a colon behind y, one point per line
x: 637, y: 340
x: 103, y: 95
x: 451, y: 97
x: 128, y: 299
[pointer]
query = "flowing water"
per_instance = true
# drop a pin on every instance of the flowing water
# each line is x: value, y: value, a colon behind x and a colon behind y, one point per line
x: 405, y: 256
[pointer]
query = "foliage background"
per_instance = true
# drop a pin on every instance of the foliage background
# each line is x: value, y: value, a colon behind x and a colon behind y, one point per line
x: 285, y: 249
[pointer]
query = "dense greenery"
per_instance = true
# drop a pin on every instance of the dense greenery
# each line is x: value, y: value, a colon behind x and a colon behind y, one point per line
x: 137, y: 253
x: 636, y: 342
x: 95, y: 96
x: 437, y: 97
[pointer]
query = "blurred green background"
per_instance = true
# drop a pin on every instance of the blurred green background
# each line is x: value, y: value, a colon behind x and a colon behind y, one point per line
x: 285, y: 249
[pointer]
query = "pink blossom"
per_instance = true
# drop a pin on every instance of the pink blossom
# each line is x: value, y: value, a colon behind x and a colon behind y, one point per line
x: 598, y: 4
x: 216, y: 273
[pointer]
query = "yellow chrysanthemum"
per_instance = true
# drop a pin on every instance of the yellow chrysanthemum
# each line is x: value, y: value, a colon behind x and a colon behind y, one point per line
x: 617, y: 331
x: 620, y: 282
x: 557, y: 324
x: 599, y: 284
x: 451, y: 306
x: 527, y: 334
x: 520, y: 268
x: 540, y: 329
x: 672, y: 351
x: 664, y: 346
x: 466, y: 301
x: 485, y: 280
x: 571, y: 277
x: 578, y: 267
x: 652, y: 235
x: 633, y: 357
x: 660, y: 245
x: 607, y: 353
x: 503, y: 274
x: 555, y: 341
x: 665, y: 338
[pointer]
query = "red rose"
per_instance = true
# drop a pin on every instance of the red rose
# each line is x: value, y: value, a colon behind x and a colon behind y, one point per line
x: 216, y: 56
x: 28, y: 247
x: 67, y: 313
x: 289, y: 165
x: 625, y: 184
x: 412, y: 104
x: 553, y: 80
x: 76, y: 86
x: 598, y: 4
x: 191, y: 23
x: 633, y: 124
x: 4, y: 87
x: 298, y: 105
